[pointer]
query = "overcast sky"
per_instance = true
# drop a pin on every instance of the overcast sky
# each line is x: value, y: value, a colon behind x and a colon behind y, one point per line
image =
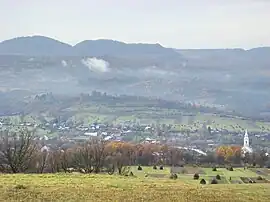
x: 172, y: 23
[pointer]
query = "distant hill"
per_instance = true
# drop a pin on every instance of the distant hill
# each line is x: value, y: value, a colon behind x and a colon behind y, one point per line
x: 260, y: 52
x: 236, y: 78
x: 35, y: 45
x: 115, y: 48
x: 239, y: 58
x: 44, y: 46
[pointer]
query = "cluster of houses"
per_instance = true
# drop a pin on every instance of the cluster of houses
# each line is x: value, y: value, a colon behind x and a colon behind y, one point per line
x: 143, y: 133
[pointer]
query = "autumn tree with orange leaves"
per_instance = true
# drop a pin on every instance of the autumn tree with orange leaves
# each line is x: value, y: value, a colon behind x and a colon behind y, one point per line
x: 230, y: 154
x: 148, y: 154
x: 120, y: 154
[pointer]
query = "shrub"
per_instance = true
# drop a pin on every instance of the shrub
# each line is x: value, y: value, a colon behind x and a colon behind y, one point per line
x: 259, y: 178
x: 214, y: 181
x: 20, y: 186
x: 202, y: 181
x: 139, y: 168
x: 214, y: 169
x: 131, y: 174
x: 231, y: 168
x: 154, y: 167
x: 196, y: 176
x: 218, y: 177
x: 173, y: 176
x: 161, y: 167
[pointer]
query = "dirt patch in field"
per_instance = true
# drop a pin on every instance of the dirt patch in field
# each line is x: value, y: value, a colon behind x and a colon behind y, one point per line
x: 187, y: 170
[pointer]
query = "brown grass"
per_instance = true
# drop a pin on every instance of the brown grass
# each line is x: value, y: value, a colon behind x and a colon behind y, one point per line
x: 69, y: 187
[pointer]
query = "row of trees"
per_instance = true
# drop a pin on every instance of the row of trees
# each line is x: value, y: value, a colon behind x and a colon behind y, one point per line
x: 233, y: 155
x: 20, y: 153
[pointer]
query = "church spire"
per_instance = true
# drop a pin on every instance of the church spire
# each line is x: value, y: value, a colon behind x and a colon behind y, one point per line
x: 246, y: 148
x: 246, y: 140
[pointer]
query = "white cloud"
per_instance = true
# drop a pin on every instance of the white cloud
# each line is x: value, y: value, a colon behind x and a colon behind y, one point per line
x: 96, y: 65
x: 64, y: 63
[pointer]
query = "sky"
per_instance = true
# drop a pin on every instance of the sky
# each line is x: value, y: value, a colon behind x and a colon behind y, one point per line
x: 172, y: 23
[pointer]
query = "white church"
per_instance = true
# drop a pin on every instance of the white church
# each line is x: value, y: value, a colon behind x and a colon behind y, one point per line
x: 246, y: 148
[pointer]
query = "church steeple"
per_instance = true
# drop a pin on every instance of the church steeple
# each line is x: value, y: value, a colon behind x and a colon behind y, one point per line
x: 246, y: 140
x: 246, y: 148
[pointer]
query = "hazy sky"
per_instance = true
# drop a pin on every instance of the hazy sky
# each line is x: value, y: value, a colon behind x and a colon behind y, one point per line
x: 172, y: 23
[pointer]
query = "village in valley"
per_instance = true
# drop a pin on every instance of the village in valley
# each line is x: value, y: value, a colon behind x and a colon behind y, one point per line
x: 201, y: 141
x: 135, y: 101
x: 125, y: 139
x: 122, y: 141
x: 208, y: 139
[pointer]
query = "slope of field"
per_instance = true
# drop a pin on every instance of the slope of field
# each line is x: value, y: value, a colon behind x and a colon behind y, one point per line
x: 76, y: 187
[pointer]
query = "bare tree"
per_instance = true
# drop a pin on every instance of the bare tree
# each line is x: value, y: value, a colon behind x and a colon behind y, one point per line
x: 54, y: 163
x: 120, y: 161
x: 65, y: 159
x: 120, y: 155
x: 174, y: 156
x: 89, y: 156
x: 83, y: 157
x: 99, y: 154
x: 41, y: 161
x: 17, y: 150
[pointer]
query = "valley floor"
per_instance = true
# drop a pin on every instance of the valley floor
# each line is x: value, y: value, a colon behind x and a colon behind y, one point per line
x: 103, y: 187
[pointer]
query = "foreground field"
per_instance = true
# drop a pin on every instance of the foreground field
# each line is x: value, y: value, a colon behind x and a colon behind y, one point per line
x: 77, y: 187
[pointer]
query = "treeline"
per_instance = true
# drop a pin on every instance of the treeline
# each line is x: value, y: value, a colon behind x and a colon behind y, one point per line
x: 142, y: 101
x: 233, y: 155
x: 21, y: 153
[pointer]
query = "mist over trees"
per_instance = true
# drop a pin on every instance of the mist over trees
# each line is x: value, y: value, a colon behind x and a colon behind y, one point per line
x: 234, y: 78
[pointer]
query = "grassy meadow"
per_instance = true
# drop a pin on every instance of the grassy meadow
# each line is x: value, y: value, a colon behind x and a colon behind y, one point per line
x: 156, y: 186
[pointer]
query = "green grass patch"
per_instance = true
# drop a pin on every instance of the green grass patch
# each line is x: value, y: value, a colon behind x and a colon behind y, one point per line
x: 72, y: 187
